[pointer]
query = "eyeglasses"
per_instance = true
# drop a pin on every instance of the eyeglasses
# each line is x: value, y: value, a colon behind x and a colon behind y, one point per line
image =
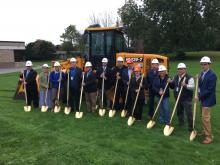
x: 203, y: 64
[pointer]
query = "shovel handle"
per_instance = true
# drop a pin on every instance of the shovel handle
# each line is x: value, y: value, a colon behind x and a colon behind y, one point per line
x: 68, y: 86
x: 177, y: 101
x: 25, y: 90
x: 116, y: 87
x: 139, y: 88
x: 161, y: 98
x: 58, y: 93
x: 103, y: 86
x: 195, y: 103
x: 126, y: 97
x: 81, y: 92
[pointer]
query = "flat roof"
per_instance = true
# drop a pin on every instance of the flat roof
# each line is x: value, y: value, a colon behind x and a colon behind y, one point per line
x: 12, y: 45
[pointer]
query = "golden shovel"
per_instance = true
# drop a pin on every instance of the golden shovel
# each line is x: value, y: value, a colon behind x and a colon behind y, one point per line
x: 124, y: 111
x: 27, y: 108
x: 194, y: 132
x: 168, y: 129
x: 44, y: 107
x: 79, y: 114
x: 57, y: 107
x: 67, y: 109
x: 132, y: 119
x: 152, y: 122
x: 113, y: 111
x: 102, y: 110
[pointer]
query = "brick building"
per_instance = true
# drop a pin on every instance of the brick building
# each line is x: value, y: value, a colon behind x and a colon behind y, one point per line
x: 11, y: 53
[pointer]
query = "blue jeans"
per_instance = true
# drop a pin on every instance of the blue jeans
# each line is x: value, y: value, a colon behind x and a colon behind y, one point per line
x: 164, y: 111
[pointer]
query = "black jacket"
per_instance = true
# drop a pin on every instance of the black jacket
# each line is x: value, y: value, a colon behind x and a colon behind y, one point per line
x: 158, y: 84
x: 30, y: 79
x: 120, y: 71
x: 125, y: 76
x: 90, y: 82
x: 134, y: 85
x: 76, y: 80
x: 151, y: 75
x: 108, y: 74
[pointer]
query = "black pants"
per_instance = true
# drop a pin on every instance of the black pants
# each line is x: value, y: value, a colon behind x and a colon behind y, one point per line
x: 32, y: 96
x: 151, y: 103
x: 119, y: 98
x: 74, y: 99
x: 185, y: 105
x: 138, y: 109
x: 129, y: 104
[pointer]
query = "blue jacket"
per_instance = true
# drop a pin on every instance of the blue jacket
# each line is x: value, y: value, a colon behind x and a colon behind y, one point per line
x: 75, y: 78
x: 158, y: 84
x: 150, y: 79
x: 54, y: 77
x: 207, y: 87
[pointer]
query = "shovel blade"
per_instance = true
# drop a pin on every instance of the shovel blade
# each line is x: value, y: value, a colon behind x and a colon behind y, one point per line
x: 123, y: 113
x: 27, y: 108
x: 44, y: 108
x: 150, y: 124
x: 102, y: 112
x: 56, y: 109
x: 131, y: 121
x: 193, y: 135
x: 111, y: 113
x: 79, y: 115
x: 67, y: 110
x: 167, y: 131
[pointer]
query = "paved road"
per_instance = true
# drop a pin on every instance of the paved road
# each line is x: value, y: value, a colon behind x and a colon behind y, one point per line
x: 12, y: 70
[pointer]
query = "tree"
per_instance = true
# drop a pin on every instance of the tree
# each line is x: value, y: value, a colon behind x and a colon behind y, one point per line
x: 40, y: 50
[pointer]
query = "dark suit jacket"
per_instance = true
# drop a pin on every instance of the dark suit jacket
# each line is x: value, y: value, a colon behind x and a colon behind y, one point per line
x: 75, y: 83
x: 90, y: 81
x: 207, y: 86
x: 109, y: 75
x: 134, y: 86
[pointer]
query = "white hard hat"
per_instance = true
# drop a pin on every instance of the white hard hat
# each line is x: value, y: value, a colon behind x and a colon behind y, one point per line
x: 28, y: 63
x: 155, y: 61
x: 73, y: 59
x: 120, y: 59
x: 181, y: 66
x: 88, y: 64
x: 205, y: 59
x: 45, y: 66
x: 56, y: 63
x: 162, y: 68
x: 104, y: 60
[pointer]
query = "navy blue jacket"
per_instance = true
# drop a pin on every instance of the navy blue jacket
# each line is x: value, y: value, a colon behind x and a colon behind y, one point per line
x: 109, y: 82
x: 207, y: 86
x: 150, y: 79
x: 75, y: 78
x: 158, y: 84
x: 90, y: 82
x: 31, y: 80
x: 54, y: 77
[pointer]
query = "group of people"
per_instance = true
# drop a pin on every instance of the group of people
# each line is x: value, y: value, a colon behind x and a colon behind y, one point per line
x: 100, y: 83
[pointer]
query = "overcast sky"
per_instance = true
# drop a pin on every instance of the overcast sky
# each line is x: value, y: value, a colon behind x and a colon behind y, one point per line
x: 28, y: 20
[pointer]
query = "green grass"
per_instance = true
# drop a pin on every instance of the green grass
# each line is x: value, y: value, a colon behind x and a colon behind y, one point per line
x: 48, y: 138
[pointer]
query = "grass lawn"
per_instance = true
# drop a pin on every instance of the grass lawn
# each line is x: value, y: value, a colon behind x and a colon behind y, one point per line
x: 48, y: 138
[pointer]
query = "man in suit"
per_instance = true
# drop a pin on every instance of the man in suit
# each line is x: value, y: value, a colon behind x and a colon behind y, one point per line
x: 75, y: 74
x: 207, y: 97
x: 185, y: 101
x: 120, y: 94
x: 29, y: 80
x: 151, y: 75
x: 90, y: 87
x: 105, y: 72
x: 126, y: 74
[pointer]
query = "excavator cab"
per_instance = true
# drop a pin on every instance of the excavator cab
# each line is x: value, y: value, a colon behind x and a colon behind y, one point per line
x: 103, y: 42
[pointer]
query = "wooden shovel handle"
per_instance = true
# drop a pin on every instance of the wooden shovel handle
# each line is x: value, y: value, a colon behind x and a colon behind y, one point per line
x: 116, y: 87
x: 177, y: 101
x: 68, y: 90
x: 25, y: 90
x: 103, y: 87
x: 48, y: 83
x: 126, y: 97
x: 139, y: 88
x: 195, y: 103
x: 81, y: 92
x: 161, y: 98
x: 58, y: 93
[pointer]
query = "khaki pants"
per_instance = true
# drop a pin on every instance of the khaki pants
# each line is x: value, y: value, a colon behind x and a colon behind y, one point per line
x: 206, y: 124
x: 91, y: 101
x: 106, y: 98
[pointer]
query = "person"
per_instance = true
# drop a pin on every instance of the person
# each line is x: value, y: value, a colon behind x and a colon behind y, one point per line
x: 29, y: 80
x: 127, y: 73
x: 105, y: 72
x: 43, y: 84
x: 120, y: 93
x: 135, y: 83
x: 151, y: 75
x: 207, y: 97
x: 75, y: 74
x: 90, y: 87
x: 55, y: 79
x: 185, y: 101
x: 159, y: 87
